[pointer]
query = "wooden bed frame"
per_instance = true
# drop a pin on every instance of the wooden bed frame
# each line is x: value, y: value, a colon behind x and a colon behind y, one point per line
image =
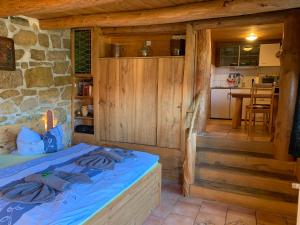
x: 130, y: 208
x: 133, y: 206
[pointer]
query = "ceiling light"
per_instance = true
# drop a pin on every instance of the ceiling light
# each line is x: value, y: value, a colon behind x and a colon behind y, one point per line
x: 251, y: 37
x: 247, y: 48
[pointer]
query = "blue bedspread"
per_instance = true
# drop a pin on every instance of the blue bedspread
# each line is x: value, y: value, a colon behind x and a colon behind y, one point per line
x: 79, y: 204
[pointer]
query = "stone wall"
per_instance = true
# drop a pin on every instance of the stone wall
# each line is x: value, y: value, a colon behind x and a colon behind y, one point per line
x: 42, y: 78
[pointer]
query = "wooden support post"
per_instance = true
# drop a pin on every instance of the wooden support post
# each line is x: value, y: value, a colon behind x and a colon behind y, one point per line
x: 187, y: 99
x: 203, y: 71
x: 289, y: 77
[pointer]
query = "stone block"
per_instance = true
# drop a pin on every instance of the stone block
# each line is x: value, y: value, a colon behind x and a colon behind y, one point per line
x: 66, y: 43
x: 28, y: 92
x: 3, y: 118
x: 29, y: 104
x: 25, y: 38
x: 43, y: 40
x: 67, y: 93
x: 61, y: 67
x: 9, y: 93
x: 63, y: 80
x: 11, y: 79
x: 49, y: 96
x: 60, y: 114
x: 39, y: 77
x: 18, y: 100
x: 19, y: 53
x: 55, y: 40
x: 3, y: 29
x: 8, y: 107
x: 19, y: 21
x: 57, y: 55
x: 37, y: 54
x: 24, y: 65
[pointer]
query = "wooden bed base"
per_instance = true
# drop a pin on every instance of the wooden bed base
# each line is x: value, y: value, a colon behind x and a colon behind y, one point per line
x: 133, y: 206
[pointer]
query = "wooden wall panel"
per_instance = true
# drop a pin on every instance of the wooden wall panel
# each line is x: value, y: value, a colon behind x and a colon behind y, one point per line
x: 101, y: 79
x: 113, y: 101
x: 170, y: 78
x: 145, y: 100
x: 126, y: 109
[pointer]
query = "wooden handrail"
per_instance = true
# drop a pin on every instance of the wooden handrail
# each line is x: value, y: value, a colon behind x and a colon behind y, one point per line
x: 190, y: 151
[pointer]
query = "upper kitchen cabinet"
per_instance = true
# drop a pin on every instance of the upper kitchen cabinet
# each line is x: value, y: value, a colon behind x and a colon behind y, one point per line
x: 267, y: 56
x: 249, y: 55
x: 228, y: 54
x: 236, y: 54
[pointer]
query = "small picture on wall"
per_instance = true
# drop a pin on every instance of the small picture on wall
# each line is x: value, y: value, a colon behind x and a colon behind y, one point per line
x: 7, y: 54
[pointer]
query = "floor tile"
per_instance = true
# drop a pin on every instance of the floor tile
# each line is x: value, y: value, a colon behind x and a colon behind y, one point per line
x: 214, y: 208
x: 204, y: 218
x: 186, y: 209
x: 153, y: 220
x: 239, y: 218
x: 165, y: 208
x: 174, y: 219
x: 196, y: 201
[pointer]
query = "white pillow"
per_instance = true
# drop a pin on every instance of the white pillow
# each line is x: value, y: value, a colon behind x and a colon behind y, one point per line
x: 29, y: 142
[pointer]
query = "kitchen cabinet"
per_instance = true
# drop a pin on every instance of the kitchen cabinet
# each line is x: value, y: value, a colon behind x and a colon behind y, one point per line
x: 235, y: 54
x: 249, y: 55
x: 228, y: 55
x: 140, y: 100
x: 267, y: 56
x: 223, y: 105
x: 220, y: 103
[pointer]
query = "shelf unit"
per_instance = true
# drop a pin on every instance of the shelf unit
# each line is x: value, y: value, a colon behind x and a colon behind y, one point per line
x: 83, y: 80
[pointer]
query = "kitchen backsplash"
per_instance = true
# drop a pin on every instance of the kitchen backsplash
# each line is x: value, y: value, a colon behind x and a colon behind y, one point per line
x: 219, y: 75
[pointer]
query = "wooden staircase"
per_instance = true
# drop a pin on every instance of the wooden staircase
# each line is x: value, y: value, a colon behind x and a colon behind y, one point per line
x: 244, y: 173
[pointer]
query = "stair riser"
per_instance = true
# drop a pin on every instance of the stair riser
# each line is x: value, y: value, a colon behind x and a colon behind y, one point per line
x: 274, y: 206
x: 246, y: 162
x: 238, y: 145
x: 246, y: 180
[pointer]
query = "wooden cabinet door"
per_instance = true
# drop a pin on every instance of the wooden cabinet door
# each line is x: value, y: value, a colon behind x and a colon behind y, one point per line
x: 128, y: 100
x: 170, y: 78
x: 267, y: 56
x: 146, y: 81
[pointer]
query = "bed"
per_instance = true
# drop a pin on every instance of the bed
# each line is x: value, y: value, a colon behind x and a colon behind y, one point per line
x: 123, y: 196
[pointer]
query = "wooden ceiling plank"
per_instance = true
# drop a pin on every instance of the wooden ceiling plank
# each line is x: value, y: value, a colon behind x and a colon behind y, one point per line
x: 31, y: 7
x: 182, y: 13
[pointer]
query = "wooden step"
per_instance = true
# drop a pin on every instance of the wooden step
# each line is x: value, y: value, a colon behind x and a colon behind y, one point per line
x: 245, y: 160
x: 236, y: 145
x: 245, y: 197
x: 247, y: 178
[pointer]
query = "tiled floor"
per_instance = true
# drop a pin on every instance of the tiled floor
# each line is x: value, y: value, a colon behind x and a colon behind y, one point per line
x: 177, y: 210
x: 222, y: 128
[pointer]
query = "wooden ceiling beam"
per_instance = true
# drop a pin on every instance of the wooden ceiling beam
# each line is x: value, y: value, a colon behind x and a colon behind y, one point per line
x: 182, y: 13
x: 174, y: 28
x: 180, y: 28
x: 245, y: 20
x: 32, y: 7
